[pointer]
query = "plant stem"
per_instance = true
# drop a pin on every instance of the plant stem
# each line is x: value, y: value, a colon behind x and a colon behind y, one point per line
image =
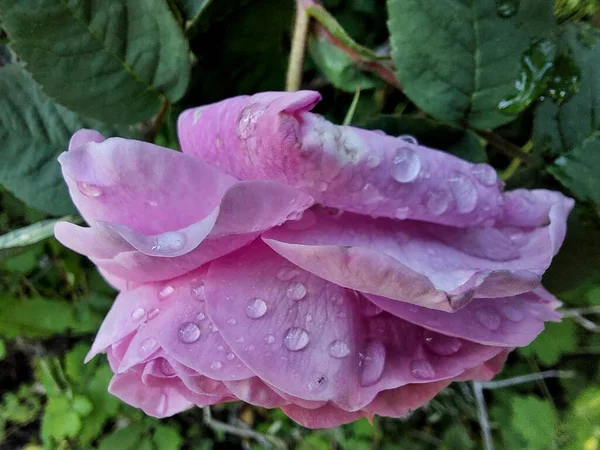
x: 482, y: 415
x: 296, y: 63
x: 504, y: 146
x: 158, y: 121
x: 526, y: 378
x: 352, y: 109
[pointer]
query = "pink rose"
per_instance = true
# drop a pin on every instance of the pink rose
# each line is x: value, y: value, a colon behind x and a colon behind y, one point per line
x: 288, y: 262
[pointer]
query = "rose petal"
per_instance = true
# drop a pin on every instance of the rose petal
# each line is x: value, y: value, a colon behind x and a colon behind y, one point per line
x: 327, y: 416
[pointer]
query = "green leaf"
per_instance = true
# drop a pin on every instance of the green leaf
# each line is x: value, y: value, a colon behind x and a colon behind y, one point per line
x: 34, y: 131
x: 191, y: 9
x: 536, y: 421
x: 464, y: 144
x: 556, y: 340
x: 579, y: 169
x: 35, y: 318
x: 458, y: 59
x: 167, y: 438
x: 133, y: 51
x: 127, y: 438
x: 30, y: 234
x: 2, y: 349
x: 82, y: 405
x: 105, y: 404
x: 59, y: 419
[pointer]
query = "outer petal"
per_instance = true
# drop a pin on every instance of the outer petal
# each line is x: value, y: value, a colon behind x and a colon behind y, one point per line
x: 430, y: 265
x: 401, y: 401
x: 508, y: 322
x: 309, y: 338
x: 273, y: 136
x: 327, y: 416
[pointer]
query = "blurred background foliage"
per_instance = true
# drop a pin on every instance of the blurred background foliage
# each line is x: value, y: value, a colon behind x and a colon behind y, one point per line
x: 529, y: 104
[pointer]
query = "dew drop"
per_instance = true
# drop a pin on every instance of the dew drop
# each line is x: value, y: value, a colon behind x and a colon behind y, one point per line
x: 406, y: 165
x: 296, y: 291
x: 152, y: 313
x: 513, y: 313
x: 422, y: 369
x: 296, y: 339
x: 220, y: 348
x: 437, y: 201
x: 372, y: 362
x: 408, y: 138
x: 321, y: 186
x: 256, y: 308
x: 373, y: 161
x: 339, y: 349
x: 269, y: 338
x: 212, y: 328
x: 200, y: 316
x: 147, y: 347
x: 168, y: 243
x: 507, y: 8
x: 441, y: 345
x: 216, y: 365
x: 89, y: 190
x: 247, y: 121
x: 138, y: 314
x: 369, y: 195
x: 230, y: 356
x: 166, y: 292
x: 286, y: 273
x: 402, y: 213
x: 189, y: 333
x: 488, y: 318
x: 308, y: 317
x: 231, y: 321
x: 485, y: 174
x: 464, y: 192
x: 197, y: 290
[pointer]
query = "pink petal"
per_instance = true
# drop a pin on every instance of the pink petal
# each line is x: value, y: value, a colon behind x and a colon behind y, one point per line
x: 327, y: 416
x: 273, y: 136
x: 405, y: 399
x: 85, y: 136
x: 256, y: 392
x: 309, y: 338
x: 429, y: 265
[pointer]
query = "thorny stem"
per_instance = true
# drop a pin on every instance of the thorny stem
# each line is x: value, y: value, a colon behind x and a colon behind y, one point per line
x: 482, y: 415
x: 265, y: 441
x: 294, y: 73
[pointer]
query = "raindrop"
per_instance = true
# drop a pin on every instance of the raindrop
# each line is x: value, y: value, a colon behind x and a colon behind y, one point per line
x: 373, y: 161
x: 200, y: 316
x: 441, y: 345
x: 247, y: 121
x: 89, y: 190
x: 513, y: 313
x: 138, y: 314
x: 321, y: 186
x: 216, y: 365
x: 372, y: 362
x: 240, y: 339
x: 166, y: 292
x: 152, y: 313
x: 339, y: 349
x: 212, y: 328
x: 168, y: 243
x: 308, y: 317
x: 402, y: 213
x: 464, y: 191
x: 406, y: 165
x: 269, y: 338
x: 408, y: 138
x: 147, y: 347
x: 296, y: 339
x: 422, y: 369
x: 198, y: 291
x: 296, y: 291
x: 230, y: 356
x: 286, y: 273
x: 488, y: 318
x: 256, y: 308
x: 369, y: 194
x: 220, y: 348
x: 437, y: 201
x: 507, y: 8
x: 485, y: 174
x: 231, y: 321
x: 189, y: 333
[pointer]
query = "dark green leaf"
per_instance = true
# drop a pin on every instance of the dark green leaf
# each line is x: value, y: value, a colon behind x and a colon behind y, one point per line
x: 167, y: 438
x: 458, y: 59
x: 191, y: 9
x: 127, y: 438
x: 113, y: 60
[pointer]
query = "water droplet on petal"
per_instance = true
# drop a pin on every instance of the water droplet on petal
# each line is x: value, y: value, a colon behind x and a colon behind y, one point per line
x: 485, y: 174
x: 197, y: 290
x: 89, y: 190
x: 464, y: 192
x: 166, y: 292
x: 230, y: 356
x: 137, y: 314
x: 372, y: 362
x: 152, y: 313
x: 269, y: 338
x: 440, y: 344
x: 437, y: 201
x: 402, y: 213
x: 339, y: 349
x: 408, y: 138
x: 422, y: 369
x: 212, y: 328
x: 168, y: 243
x: 286, y: 273
x: 406, y: 165
x: 321, y: 186
x: 147, y: 347
x: 189, y: 333
x: 256, y: 308
x: 369, y: 195
x: 308, y: 317
x: 248, y: 120
x: 373, y: 161
x: 488, y: 318
x: 296, y: 339
x: 216, y: 365
x: 240, y: 339
x: 231, y: 321
x: 296, y: 291
x: 200, y: 316
x: 513, y: 313
x: 220, y: 348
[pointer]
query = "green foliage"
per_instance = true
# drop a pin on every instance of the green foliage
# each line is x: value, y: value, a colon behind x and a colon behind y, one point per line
x: 559, y: 339
x: 536, y: 421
